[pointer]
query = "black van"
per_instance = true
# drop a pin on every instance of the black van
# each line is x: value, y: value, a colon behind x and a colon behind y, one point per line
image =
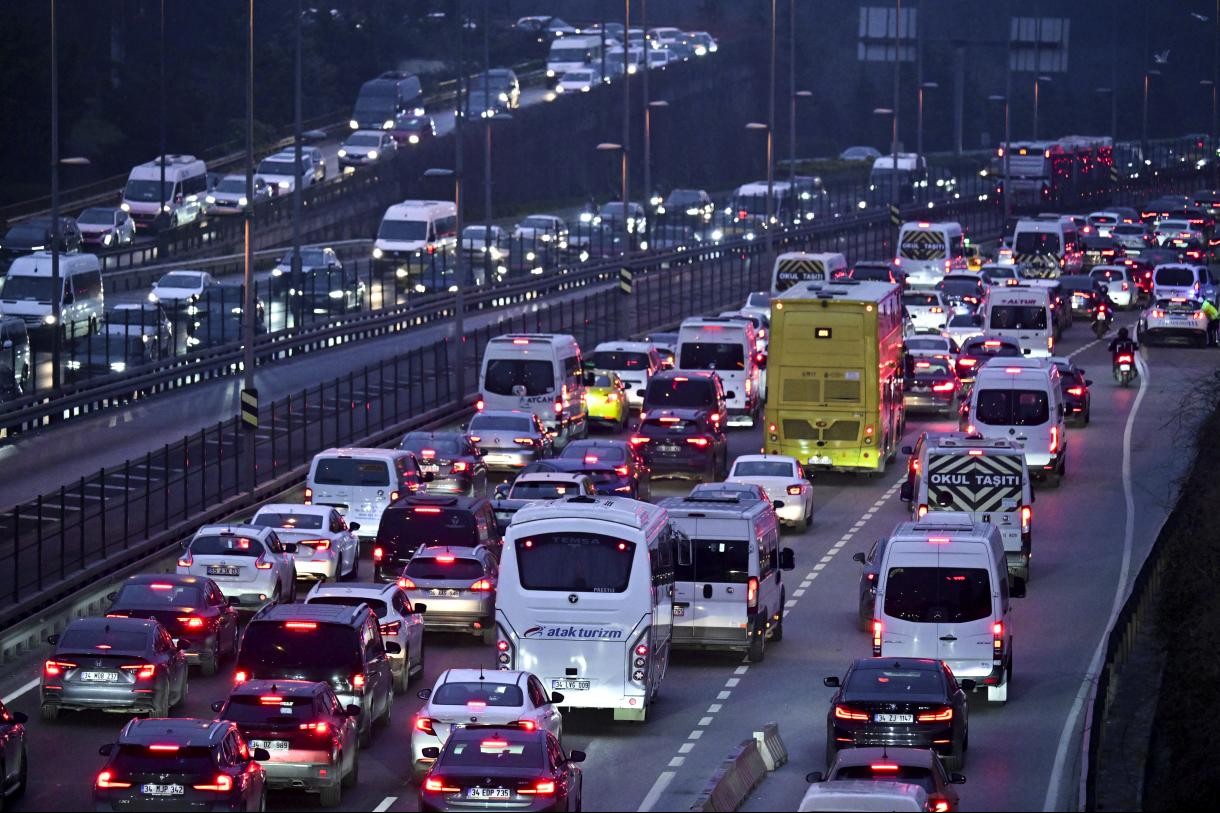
x: 381, y: 100
x: 417, y: 520
x: 15, y: 364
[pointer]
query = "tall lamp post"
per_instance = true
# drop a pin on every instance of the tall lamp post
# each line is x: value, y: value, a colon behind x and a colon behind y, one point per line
x: 919, y: 119
x: 893, y: 114
x: 610, y: 146
x: 487, y: 122
x: 796, y: 94
x: 758, y: 125
x: 459, y: 277
x: 1038, y: 80
x: 1007, y: 139
x: 1211, y: 133
x: 1148, y: 74
x: 648, y: 108
x: 247, y: 315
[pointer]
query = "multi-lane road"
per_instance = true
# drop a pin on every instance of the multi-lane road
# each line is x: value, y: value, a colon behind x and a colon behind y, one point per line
x: 1089, y: 538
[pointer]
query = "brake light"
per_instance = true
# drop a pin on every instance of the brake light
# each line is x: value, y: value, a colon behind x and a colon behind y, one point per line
x: 1013, y: 370
x: 558, y: 405
x: 358, y: 681
x: 405, y: 583
x: 378, y: 555
x: 752, y: 594
x: 142, y: 671
x: 868, y: 430
x: 524, y: 441
x: 426, y: 509
x: 847, y: 713
x: 639, y: 440
x: 1125, y: 357
x: 715, y: 417
x: 308, y: 495
x: 186, y: 559
x: 105, y: 780
x: 320, y: 728
x: 222, y: 784
x: 56, y: 668
x: 317, y: 544
x: 968, y: 362
x: 261, y: 564
x: 921, y: 512
x: 1077, y: 391
x: 270, y: 699
x: 481, y: 586
x: 622, y: 471
x: 521, y: 341
x: 997, y: 639
x: 795, y: 490
x: 300, y: 625
x: 1027, y: 518
x: 876, y: 639
x: 701, y: 443
x: 670, y: 420
x: 940, y: 806
x: 391, y: 628
x: 543, y: 787
x: 191, y: 622
x: 167, y: 749
x: 527, y: 725
x: 975, y: 452
x: 424, y: 725
x: 946, y: 386
x: 446, y: 560
x: 612, y: 398
x: 460, y: 467
x: 241, y: 676
x: 479, y: 404
x: 1054, y: 446
x: 942, y: 716
x: 438, y: 785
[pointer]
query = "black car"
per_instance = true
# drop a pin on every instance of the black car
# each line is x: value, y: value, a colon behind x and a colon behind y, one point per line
x: 1076, y: 398
x: 325, y: 286
x: 453, y: 460
x: 1086, y: 292
x: 113, y: 664
x: 977, y: 350
x: 686, y: 389
x: 34, y: 235
x: 191, y: 608
x: 337, y: 645
x: 683, y: 442
x: 180, y: 764
x: 929, y: 382
x: 605, y: 478
x: 910, y: 766
x: 906, y: 702
x: 1100, y: 250
x: 867, y: 601
x: 495, y: 767
x: 878, y: 271
x: 962, y: 290
x: 418, y: 520
x: 626, y: 459
x: 14, y: 766
x: 102, y: 354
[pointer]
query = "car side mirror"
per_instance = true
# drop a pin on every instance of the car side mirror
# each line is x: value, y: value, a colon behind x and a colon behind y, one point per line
x: 787, y: 559
x: 640, y: 393
x: 106, y: 750
x: 353, y: 526
x: 556, y: 698
x: 352, y: 711
x: 777, y: 504
x: 831, y: 682
x: 52, y: 639
x: 432, y: 752
x: 20, y: 717
x: 859, y: 557
x: 419, y: 608
x: 907, y: 450
x: 260, y: 755
x: 576, y: 756
x: 501, y: 491
x: 424, y: 694
x: 111, y: 596
x: 957, y: 779
x: 813, y: 776
x: 392, y: 648
x: 1088, y: 382
x: 183, y: 644
x: 906, y: 492
x: 967, y: 684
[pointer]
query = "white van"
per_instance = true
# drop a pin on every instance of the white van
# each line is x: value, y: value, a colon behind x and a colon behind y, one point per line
x: 793, y: 267
x: 927, y: 251
x: 1183, y: 281
x: 726, y: 346
x: 728, y: 591
x: 943, y: 593
x: 585, y: 600
x: 1044, y: 247
x: 1021, y: 314
x: 26, y: 291
x: 361, y: 482
x: 414, y: 228
x: 571, y: 54
x: 635, y: 362
x: 186, y: 184
x: 1020, y: 399
x: 540, y: 373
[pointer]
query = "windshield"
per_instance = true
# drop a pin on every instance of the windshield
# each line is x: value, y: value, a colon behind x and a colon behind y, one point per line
x: 97, y: 217
x: 270, y: 167
x: 538, y: 223
x: 498, y: 695
x: 1175, y: 276
x: 519, y: 377
x: 431, y: 447
x: 160, y: 595
x: 380, y: 608
x: 762, y: 468
x: 937, y: 594
x: 492, y: 753
x: 309, y: 256
x: 445, y: 568
x: 301, y: 522
x: 680, y: 392
x: 475, y: 233
x: 37, y: 289
x: 685, y: 197
x: 323, y: 649
x: 350, y: 471
x: 361, y: 140
x: 619, y: 360
x: 564, y: 52
x: 759, y: 300
x: 286, y: 712
x: 1036, y: 242
x: 120, y: 640
x: 711, y: 356
x: 1012, y: 408
x: 27, y: 233
x: 139, y: 759
x: 179, y: 281
x: 231, y: 185
x: 146, y: 191
x: 225, y: 545
x: 408, y: 527
x: 717, y: 560
x: 1018, y: 317
x: 403, y: 230
x: 575, y: 562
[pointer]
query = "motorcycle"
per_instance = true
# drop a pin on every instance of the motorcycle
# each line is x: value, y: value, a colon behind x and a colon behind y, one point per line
x: 1124, y: 367
x: 1102, y: 318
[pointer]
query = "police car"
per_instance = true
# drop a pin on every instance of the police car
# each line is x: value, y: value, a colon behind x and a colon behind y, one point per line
x: 1173, y: 318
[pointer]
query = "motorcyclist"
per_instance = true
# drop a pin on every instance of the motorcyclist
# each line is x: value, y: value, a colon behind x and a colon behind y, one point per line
x: 1123, y: 343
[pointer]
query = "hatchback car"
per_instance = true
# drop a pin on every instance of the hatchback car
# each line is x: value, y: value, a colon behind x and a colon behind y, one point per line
x: 962, y: 292
x: 400, y: 621
x: 911, y: 766
x: 509, y: 439
x: 683, y: 443
x: 929, y: 382
x: 365, y: 147
x: 458, y: 586
x: 977, y: 351
x: 113, y: 664
x: 962, y: 327
x: 1118, y: 283
x: 181, y: 764
x: 494, y: 767
x: 312, y: 741
x: 927, y: 310
x: 1076, y: 397
x: 602, y: 478
x: 341, y: 646
x: 907, y: 702
x: 459, y: 697
x: 412, y: 130
x: 783, y: 482
x: 606, y: 400
x: 452, y: 459
x: 324, y: 546
x: 248, y: 562
x: 191, y: 608
x: 629, y: 464
x: 229, y: 197
x: 106, y: 227
x: 930, y: 344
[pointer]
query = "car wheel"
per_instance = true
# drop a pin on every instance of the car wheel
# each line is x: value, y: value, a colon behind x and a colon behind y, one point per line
x: 389, y: 706
x: 489, y: 633
x: 209, y: 665
x: 352, y: 776
x: 402, y: 678
x: 758, y: 645
x: 832, y: 750
x: 330, y: 796
x: 955, y: 760
x: 366, y: 735
x: 418, y: 668
x: 777, y: 631
x: 809, y: 515
x: 1088, y: 413
x: 22, y: 776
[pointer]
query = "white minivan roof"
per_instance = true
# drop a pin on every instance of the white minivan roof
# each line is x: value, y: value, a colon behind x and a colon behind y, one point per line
x: 864, y: 795
x: 420, y: 210
x: 618, y: 510
x: 38, y: 264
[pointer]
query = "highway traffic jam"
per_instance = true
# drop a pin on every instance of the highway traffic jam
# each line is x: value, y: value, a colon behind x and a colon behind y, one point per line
x: 529, y: 607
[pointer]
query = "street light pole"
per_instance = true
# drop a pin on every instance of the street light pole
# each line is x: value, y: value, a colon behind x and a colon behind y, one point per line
x: 770, y: 138
x: 161, y: 90
x: 792, y: 93
x: 897, y: 76
x: 919, y: 120
x: 459, y: 264
x: 1007, y: 196
x: 486, y: 150
x: 56, y: 283
x: 247, y: 313
x: 1148, y: 74
x: 659, y: 103
x: 627, y: 133
x: 297, y: 162
x: 1037, y: 83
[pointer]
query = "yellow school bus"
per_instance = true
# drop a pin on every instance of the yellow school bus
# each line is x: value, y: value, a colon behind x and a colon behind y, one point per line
x: 834, y: 392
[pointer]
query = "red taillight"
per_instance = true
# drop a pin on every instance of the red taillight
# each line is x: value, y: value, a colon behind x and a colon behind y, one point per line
x: 308, y: 495
x: 320, y: 728
x: 437, y: 785
x: 997, y: 639
x: 883, y: 767
x: 56, y: 668
x: 941, y: 716
x: 558, y: 405
x: 479, y: 404
x: 752, y: 594
x: 876, y: 639
x: 316, y: 544
x: 378, y: 555
x: 424, y: 725
x: 848, y: 713
x: 940, y: 806
x: 525, y: 441
x: 527, y: 725
x: 795, y: 491
x: 1054, y: 445
x: 191, y: 622
x: 946, y: 386
x: 701, y: 443
x: 921, y: 512
x: 240, y: 676
x: 106, y: 780
x: 357, y: 681
x: 271, y: 700
x: 543, y: 787
x: 714, y: 417
x: 300, y: 625
x: 186, y: 560
x: 262, y: 564
x: 405, y: 583
x: 1027, y: 518
x: 391, y: 628
x: 223, y: 783
x: 639, y: 440
x: 622, y: 471
x: 481, y: 586
x: 426, y: 509
x: 1077, y: 391
x: 1125, y: 358
x: 142, y: 671
x: 460, y: 467
x: 968, y: 362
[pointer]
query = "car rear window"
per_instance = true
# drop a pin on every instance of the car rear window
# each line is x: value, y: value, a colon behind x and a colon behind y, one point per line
x: 894, y: 682
x: 1036, y: 243
x: 1180, y: 277
x: 920, y: 300
x: 137, y: 759
x: 499, y: 695
x: 711, y: 356
x: 725, y: 561
x: 376, y: 605
x: 937, y: 594
x: 351, y: 471
x: 905, y: 773
x: 501, y: 423
x: 762, y: 468
x: 490, y: 752
x: 304, y: 522
x: 596, y: 380
x: 118, y: 640
x: 680, y: 392
x: 427, y: 525
x: 226, y: 545
x: 916, y: 366
x: 669, y: 426
x: 437, y: 446
x: 519, y: 377
x: 1006, y: 407
x: 318, y: 649
x: 1018, y: 317
x: 619, y: 360
x: 990, y: 347
x: 160, y: 595
x: 445, y: 568
x: 927, y: 343
x: 543, y: 490
x: 594, y: 454
x: 270, y: 709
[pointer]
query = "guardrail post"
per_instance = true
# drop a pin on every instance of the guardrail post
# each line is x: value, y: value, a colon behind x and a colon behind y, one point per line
x: 101, y: 481
x: 80, y: 522
x: 338, y: 430
x: 17, y: 551
x: 147, y: 490
x: 164, y: 485
x: 274, y: 461
x: 126, y: 501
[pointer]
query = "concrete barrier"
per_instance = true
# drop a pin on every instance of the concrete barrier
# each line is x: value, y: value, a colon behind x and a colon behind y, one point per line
x: 774, y: 753
x: 732, y: 782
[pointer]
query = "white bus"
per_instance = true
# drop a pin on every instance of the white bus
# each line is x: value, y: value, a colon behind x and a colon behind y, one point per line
x: 585, y: 600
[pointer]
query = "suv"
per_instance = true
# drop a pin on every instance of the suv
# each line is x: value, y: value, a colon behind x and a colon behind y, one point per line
x: 418, y: 520
x: 247, y: 562
x: 338, y: 645
x: 688, y: 389
x: 683, y: 443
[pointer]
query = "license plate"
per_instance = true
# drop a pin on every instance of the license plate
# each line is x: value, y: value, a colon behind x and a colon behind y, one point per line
x: 1126, y: 368
x: 270, y: 745
x: 430, y: 469
x: 162, y: 790
x: 893, y: 718
x: 488, y: 793
x: 667, y: 448
x: 918, y: 388
x: 436, y: 591
x: 679, y: 610
x: 100, y: 677
x: 819, y: 460
x: 223, y: 570
x: 571, y: 685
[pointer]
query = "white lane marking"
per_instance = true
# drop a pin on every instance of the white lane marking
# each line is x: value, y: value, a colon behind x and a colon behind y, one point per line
x: 22, y: 690
x: 714, y: 708
x: 704, y: 722
x: 1120, y: 594
x: 789, y: 604
x: 677, y: 762
x: 694, y: 735
x: 731, y: 682
x: 723, y: 695
x: 819, y: 566
x: 741, y: 670
x: 384, y: 804
x: 797, y: 593
x: 654, y: 793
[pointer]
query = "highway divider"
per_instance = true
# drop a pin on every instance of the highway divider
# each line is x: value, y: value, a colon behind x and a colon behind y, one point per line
x: 734, y: 778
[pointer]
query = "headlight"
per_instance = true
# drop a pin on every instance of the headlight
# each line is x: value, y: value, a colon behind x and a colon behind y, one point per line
x: 336, y: 294
x: 378, y: 254
x: 72, y: 364
x: 165, y: 208
x: 584, y: 88
x: 643, y: 245
x: 242, y: 201
x: 342, y: 153
x: 118, y: 366
x: 355, y: 125
x: 559, y: 88
x: 210, y: 198
x: 586, y: 217
x: 372, y: 155
x: 419, y: 111
x: 49, y: 319
x: 388, y: 124
x: 125, y: 206
x: 550, y: 74
x: 279, y: 272
x: 529, y: 256
x: 152, y: 296
x: 504, y: 97
x: 413, y: 139
x: 281, y: 185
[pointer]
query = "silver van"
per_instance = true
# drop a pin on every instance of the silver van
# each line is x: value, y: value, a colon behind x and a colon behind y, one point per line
x: 27, y: 293
x: 361, y: 482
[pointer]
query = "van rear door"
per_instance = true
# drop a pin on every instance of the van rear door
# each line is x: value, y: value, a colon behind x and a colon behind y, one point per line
x: 962, y: 606
x: 906, y: 603
x: 710, y: 592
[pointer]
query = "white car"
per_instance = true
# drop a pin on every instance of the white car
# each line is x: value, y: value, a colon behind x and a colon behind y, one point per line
x: 400, y: 621
x: 962, y: 327
x: 1172, y: 318
x: 248, y: 564
x: 542, y: 229
x: 926, y: 344
x: 229, y: 196
x: 578, y: 81
x: 758, y: 303
x: 1164, y: 230
x: 927, y: 310
x: 483, y: 696
x: 179, y: 288
x: 1119, y: 282
x: 783, y: 480
x: 365, y: 147
x: 106, y: 226
x: 326, y: 547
